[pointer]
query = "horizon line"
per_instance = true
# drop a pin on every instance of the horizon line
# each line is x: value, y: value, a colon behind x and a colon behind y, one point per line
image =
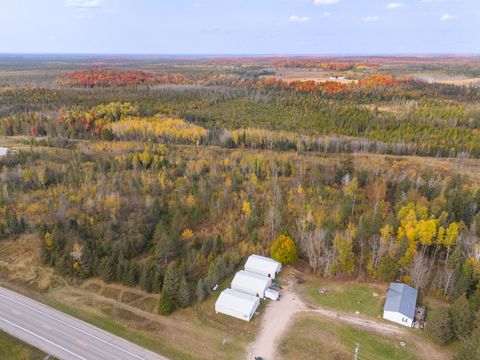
x: 241, y: 54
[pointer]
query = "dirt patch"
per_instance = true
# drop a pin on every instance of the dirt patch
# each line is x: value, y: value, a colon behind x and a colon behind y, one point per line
x: 277, y: 316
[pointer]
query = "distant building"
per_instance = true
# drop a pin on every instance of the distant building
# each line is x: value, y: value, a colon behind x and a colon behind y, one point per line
x: 263, y: 266
x: 400, y: 304
x: 237, y: 304
x: 251, y: 283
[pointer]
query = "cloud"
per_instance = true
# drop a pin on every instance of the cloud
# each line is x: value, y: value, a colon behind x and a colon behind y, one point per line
x: 394, y: 6
x: 371, y: 18
x: 83, y: 4
x: 197, y: 5
x: 325, y: 2
x: 448, y: 17
x: 298, y: 19
x: 326, y: 14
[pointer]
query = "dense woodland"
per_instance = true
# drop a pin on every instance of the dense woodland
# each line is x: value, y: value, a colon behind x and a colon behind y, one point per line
x: 167, y: 181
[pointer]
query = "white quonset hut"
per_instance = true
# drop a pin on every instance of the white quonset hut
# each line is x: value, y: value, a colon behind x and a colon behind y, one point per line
x: 251, y: 283
x: 400, y: 304
x: 237, y: 304
x: 263, y: 266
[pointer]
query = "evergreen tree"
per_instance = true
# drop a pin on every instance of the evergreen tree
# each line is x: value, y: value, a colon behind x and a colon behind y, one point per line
x: 172, y: 280
x: 132, y: 277
x: 183, y: 296
x: 146, y: 279
x: 388, y: 268
x: 201, y: 291
x: 462, y: 317
x: 157, y: 280
x: 439, y: 326
x: 165, y: 305
x: 470, y: 349
x: 108, y: 273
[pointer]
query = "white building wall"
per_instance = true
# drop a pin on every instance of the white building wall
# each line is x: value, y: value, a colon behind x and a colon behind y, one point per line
x: 397, y: 318
x: 263, y: 266
x: 236, y: 313
x: 251, y: 283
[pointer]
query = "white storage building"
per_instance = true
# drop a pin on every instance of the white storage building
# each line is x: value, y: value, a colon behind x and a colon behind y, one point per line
x: 400, y: 304
x: 263, y: 266
x: 251, y: 283
x: 237, y: 304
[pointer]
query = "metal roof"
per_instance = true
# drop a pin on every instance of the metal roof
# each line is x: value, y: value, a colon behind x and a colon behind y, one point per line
x: 262, y: 265
x: 250, y: 282
x: 236, y: 300
x: 401, y: 298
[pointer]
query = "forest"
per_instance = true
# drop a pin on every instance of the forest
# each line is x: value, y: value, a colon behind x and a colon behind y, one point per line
x: 166, y: 180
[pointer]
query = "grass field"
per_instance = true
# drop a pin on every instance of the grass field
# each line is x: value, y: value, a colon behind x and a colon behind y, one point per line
x: 349, y: 297
x: 311, y: 337
x: 13, y: 349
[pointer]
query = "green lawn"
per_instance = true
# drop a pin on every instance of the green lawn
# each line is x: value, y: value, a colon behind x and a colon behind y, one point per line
x: 349, y: 298
x: 13, y: 349
x: 311, y: 337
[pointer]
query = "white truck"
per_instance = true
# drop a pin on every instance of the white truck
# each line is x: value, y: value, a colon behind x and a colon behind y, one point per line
x: 272, y: 294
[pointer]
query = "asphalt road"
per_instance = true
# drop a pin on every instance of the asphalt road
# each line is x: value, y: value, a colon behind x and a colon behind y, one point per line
x: 61, y: 335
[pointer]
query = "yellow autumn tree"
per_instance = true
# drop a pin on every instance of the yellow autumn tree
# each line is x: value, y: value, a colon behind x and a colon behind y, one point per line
x: 451, y: 237
x: 284, y: 250
x: 246, y: 209
x: 187, y: 234
x: 343, y: 246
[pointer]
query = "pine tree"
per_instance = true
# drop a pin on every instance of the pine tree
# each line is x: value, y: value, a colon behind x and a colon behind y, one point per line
x: 132, y: 278
x: 439, y: 326
x: 108, y: 273
x: 146, y: 280
x: 470, y: 349
x: 157, y: 280
x: 165, y: 305
x: 201, y: 291
x: 183, y: 296
x: 172, y: 280
x: 462, y: 317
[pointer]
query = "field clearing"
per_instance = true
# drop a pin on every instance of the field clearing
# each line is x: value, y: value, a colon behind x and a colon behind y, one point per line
x: 311, y: 337
x: 449, y: 80
x: 349, y: 297
x: 306, y: 75
x: 13, y: 349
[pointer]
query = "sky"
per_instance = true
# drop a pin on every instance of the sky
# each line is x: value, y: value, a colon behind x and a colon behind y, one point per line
x: 340, y: 27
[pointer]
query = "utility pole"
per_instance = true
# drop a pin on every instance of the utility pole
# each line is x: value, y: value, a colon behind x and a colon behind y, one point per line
x: 357, y: 348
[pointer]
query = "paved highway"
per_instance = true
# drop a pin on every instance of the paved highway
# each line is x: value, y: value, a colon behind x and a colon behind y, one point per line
x: 61, y: 335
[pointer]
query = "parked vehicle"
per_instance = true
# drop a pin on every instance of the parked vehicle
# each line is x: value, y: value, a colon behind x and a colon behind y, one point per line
x: 272, y: 294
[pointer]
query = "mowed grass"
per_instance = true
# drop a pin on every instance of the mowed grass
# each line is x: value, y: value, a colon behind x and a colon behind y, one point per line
x: 13, y: 349
x: 348, y: 297
x: 312, y: 337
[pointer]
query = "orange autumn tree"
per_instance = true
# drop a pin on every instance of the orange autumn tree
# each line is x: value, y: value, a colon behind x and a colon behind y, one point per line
x: 284, y: 250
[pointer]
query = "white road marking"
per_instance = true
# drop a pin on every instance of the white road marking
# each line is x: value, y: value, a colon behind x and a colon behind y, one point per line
x: 73, y: 327
x: 42, y: 338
